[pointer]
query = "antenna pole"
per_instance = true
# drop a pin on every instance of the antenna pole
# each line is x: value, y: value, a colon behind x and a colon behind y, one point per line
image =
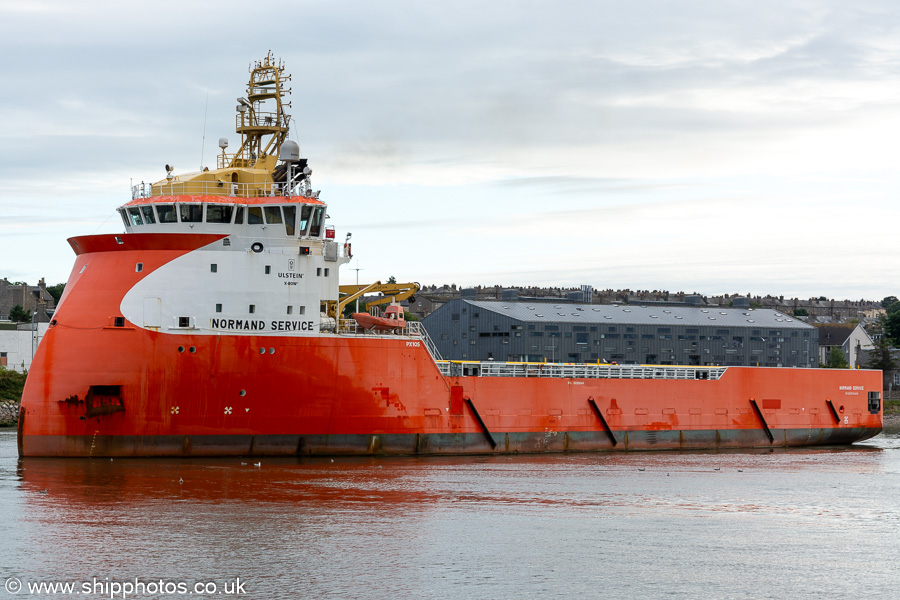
x: 357, y: 269
x: 203, y: 141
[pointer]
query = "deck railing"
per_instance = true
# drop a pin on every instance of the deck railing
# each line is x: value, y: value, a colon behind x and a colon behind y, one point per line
x: 212, y: 188
x: 452, y: 368
x: 416, y: 329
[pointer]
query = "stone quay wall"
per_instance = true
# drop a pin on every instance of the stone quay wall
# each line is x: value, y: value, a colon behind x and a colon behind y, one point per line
x: 9, y: 413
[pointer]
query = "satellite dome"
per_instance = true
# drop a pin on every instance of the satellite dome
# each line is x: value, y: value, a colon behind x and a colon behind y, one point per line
x: 289, y: 151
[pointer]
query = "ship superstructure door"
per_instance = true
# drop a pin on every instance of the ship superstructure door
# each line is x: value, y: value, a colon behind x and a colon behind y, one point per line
x: 152, y: 313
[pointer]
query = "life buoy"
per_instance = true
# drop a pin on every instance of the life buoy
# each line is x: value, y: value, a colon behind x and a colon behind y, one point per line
x: 256, y: 247
x: 347, y: 252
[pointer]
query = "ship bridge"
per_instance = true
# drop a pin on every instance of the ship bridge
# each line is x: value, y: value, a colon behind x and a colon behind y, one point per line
x: 296, y: 217
x: 271, y: 254
x: 262, y: 189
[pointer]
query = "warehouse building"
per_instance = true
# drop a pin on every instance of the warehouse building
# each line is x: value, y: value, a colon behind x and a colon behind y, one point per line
x: 528, y: 331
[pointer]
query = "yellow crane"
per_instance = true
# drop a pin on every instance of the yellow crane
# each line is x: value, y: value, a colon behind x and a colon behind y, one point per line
x: 391, y: 292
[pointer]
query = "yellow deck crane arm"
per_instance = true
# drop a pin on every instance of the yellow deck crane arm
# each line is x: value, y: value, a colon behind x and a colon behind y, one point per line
x: 391, y: 292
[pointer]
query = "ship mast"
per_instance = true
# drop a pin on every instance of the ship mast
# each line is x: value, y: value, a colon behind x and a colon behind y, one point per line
x: 261, y: 117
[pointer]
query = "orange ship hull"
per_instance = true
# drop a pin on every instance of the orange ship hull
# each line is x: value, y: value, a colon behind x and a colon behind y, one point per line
x: 376, y: 396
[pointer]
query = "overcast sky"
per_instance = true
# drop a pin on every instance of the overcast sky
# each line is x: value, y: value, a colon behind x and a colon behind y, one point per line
x: 699, y: 146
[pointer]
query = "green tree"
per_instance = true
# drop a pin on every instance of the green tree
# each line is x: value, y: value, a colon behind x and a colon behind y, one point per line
x: 891, y: 326
x: 56, y: 291
x: 11, y: 384
x: 392, y: 279
x: 881, y: 359
x: 17, y: 314
x: 801, y: 312
x: 837, y: 359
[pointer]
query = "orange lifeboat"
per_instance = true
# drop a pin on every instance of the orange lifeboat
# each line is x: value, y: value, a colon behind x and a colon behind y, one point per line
x: 390, y: 320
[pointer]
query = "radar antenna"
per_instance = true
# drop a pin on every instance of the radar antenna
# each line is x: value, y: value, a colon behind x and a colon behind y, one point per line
x: 261, y: 118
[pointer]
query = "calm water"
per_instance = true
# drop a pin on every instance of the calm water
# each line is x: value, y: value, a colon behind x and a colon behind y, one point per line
x: 800, y: 524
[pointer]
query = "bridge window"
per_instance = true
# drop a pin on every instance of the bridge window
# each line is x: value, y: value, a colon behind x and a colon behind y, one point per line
x: 305, y: 213
x: 124, y: 215
x: 191, y: 213
x: 290, y: 219
x: 218, y: 213
x: 273, y: 215
x: 166, y: 213
x: 315, y: 226
x: 239, y: 215
x: 254, y: 215
x: 147, y: 211
x: 135, y: 214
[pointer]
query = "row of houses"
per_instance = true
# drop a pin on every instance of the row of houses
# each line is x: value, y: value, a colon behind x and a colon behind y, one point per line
x: 815, y: 310
x: 18, y: 341
x: 35, y: 299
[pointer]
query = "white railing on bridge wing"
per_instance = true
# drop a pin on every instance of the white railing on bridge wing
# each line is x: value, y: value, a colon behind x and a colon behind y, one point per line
x: 576, y: 371
x: 209, y: 188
